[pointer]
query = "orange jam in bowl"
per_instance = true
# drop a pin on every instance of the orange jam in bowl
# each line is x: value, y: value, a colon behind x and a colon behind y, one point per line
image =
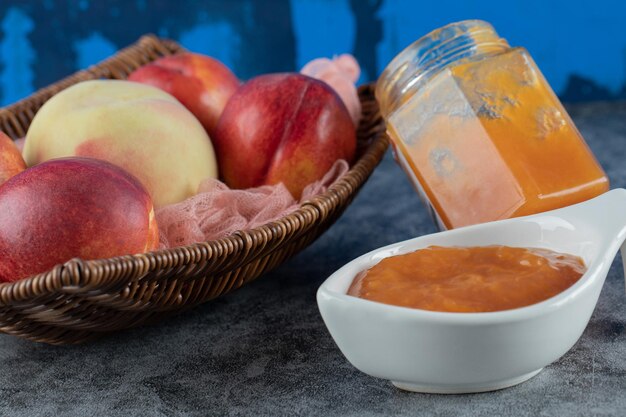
x: 468, y: 279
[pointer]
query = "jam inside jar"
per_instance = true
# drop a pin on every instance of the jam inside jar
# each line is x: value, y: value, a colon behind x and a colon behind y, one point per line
x: 480, y: 132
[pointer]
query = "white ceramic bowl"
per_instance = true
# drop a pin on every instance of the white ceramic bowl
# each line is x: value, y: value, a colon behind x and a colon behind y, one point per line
x: 440, y: 352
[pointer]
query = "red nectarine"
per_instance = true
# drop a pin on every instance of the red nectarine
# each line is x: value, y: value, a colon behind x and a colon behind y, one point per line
x: 71, y: 207
x: 286, y: 128
x: 201, y: 83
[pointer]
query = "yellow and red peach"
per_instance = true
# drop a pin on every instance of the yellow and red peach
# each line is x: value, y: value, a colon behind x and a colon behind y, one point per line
x: 137, y: 127
x: 68, y: 208
x: 11, y: 161
x: 286, y: 128
x: 201, y: 83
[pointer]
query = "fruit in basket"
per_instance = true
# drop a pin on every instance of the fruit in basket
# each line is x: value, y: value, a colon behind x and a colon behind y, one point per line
x: 11, y: 161
x: 286, y: 128
x: 72, y: 207
x: 201, y: 83
x: 137, y: 127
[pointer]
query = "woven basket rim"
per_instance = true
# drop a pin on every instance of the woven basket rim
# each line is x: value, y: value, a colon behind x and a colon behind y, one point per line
x: 75, y: 274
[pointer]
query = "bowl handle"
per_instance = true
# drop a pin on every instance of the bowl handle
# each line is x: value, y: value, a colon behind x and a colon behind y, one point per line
x: 607, y: 214
x: 623, y: 250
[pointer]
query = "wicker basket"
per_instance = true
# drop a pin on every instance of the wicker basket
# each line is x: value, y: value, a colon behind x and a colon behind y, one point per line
x: 81, y: 300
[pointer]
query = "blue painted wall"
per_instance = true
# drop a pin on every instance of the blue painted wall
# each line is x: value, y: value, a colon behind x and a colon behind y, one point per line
x: 580, y: 46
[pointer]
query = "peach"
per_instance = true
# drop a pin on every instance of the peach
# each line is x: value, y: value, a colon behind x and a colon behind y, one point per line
x: 137, y: 127
x: 72, y: 207
x: 286, y: 128
x: 11, y: 161
x: 200, y: 83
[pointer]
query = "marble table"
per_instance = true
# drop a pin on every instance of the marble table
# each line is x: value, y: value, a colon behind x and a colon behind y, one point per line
x: 264, y: 350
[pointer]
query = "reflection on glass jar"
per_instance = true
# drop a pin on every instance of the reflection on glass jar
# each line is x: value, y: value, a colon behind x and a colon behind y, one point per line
x: 480, y: 132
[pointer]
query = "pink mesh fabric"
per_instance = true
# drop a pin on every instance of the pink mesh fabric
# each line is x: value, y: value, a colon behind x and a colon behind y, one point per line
x: 340, y: 73
x: 20, y: 143
x: 217, y: 211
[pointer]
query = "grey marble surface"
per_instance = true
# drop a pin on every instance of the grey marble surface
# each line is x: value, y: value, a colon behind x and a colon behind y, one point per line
x: 264, y: 350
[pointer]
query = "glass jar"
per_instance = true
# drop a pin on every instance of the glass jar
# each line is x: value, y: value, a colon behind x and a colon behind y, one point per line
x: 480, y: 132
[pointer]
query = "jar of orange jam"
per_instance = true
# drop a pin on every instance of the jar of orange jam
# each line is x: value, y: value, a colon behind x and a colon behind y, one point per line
x: 479, y: 131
